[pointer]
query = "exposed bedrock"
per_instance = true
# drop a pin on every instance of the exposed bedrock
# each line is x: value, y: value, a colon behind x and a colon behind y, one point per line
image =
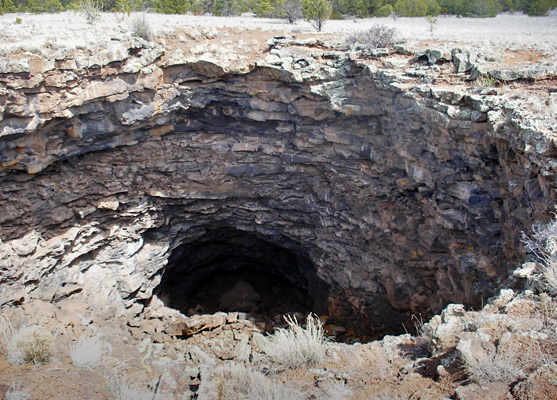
x: 378, y: 196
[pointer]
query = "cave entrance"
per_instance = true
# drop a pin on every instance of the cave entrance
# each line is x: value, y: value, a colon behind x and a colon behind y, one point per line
x: 233, y: 270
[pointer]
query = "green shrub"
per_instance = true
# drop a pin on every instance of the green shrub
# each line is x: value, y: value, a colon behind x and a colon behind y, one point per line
x: 487, y: 81
x: 7, y: 6
x: 172, y: 6
x: 316, y: 12
x: 539, y: 8
x: 507, y: 5
x: 384, y: 11
x: 432, y: 7
x: 481, y: 8
x: 410, y: 8
x: 416, y: 8
x: 355, y: 8
x: 336, y: 15
x: 196, y: 7
x: 263, y: 8
x: 44, y: 6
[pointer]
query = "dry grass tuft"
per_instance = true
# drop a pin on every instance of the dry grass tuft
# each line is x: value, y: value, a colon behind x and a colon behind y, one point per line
x: 15, y: 392
x: 238, y: 382
x: 122, y: 387
x: 90, y: 351
x: 503, y: 367
x: 32, y: 343
x: 295, y: 346
x: 7, y: 342
x: 335, y: 391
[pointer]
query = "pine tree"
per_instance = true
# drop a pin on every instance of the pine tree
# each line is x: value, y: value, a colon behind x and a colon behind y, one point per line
x: 539, y: 8
x: 481, y: 8
x: 432, y: 7
x: 356, y: 8
x: 410, y: 8
x: 172, y: 6
x: 7, y: 6
x: 44, y: 6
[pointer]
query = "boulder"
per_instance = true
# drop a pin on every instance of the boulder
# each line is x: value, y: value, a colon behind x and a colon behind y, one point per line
x: 242, y: 297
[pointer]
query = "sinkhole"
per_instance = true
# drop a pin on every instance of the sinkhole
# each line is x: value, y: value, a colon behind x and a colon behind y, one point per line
x: 233, y: 270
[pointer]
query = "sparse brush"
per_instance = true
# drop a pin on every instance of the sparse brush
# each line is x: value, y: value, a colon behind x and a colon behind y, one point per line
x: 550, y: 276
x: 140, y: 28
x: 89, y: 351
x: 500, y: 368
x: 7, y: 342
x: 15, y: 392
x: 295, y: 346
x: 292, y: 10
x: 378, y: 36
x: 121, y: 387
x: 548, y: 316
x: 504, y: 367
x: 34, y: 343
x: 487, y: 81
x: 403, y: 396
x: 543, y: 243
x: 27, y: 344
x: 335, y: 390
x: 424, y: 334
x: 237, y: 382
x: 91, y: 10
x: 431, y: 21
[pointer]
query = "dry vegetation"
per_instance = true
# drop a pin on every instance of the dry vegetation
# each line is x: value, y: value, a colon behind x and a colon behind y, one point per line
x: 296, y: 346
x: 32, y: 343
x: 543, y: 244
x: 90, y: 351
x: 240, y: 382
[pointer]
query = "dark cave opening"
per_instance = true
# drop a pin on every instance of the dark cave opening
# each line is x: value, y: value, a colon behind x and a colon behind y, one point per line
x: 233, y: 270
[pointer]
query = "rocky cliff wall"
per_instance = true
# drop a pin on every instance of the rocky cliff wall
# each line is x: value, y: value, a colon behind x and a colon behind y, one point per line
x: 402, y: 189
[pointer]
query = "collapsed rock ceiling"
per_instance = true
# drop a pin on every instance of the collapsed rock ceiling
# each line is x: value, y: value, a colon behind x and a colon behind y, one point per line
x: 398, y: 198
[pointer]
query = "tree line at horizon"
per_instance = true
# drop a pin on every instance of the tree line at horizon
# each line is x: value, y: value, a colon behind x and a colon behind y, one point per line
x: 295, y: 9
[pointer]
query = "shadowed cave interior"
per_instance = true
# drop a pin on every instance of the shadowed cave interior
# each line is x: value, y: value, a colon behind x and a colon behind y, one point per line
x: 232, y: 270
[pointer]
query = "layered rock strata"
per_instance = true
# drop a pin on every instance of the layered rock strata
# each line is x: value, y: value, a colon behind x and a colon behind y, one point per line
x: 402, y: 190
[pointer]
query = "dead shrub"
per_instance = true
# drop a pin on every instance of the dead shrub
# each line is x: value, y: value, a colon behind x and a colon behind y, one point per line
x: 378, y: 36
